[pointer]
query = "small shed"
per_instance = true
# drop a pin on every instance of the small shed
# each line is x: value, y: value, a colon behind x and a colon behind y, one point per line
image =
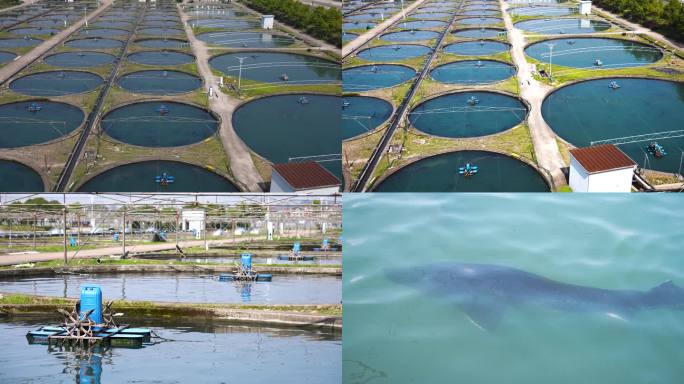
x: 585, y: 7
x: 602, y: 168
x: 267, y: 21
x: 308, y: 178
x: 193, y: 220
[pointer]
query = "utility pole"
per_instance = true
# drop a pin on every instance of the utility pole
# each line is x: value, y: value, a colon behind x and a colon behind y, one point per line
x: 240, y: 71
x: 35, y: 220
x: 124, y: 232
x: 64, y: 211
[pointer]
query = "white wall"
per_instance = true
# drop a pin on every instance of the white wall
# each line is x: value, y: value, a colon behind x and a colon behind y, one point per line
x: 585, y: 8
x: 619, y: 180
x: 193, y: 220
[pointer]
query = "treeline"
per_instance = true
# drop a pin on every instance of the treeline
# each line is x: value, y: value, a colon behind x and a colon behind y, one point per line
x: 665, y: 16
x: 319, y: 22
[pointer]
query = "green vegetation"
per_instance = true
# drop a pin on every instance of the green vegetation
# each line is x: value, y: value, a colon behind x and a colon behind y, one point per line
x: 18, y: 299
x: 319, y: 22
x: 8, y: 3
x: 666, y: 16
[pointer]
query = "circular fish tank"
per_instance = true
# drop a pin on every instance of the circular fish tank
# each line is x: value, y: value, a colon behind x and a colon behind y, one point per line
x: 468, y: 114
x: 473, y: 72
x: 161, y: 31
x: 161, y: 23
x: 369, y: 77
x: 33, y: 31
x: 112, y: 24
x: 363, y: 16
x: 19, y: 43
x: 56, y: 83
x: 103, y: 32
x: 563, y: 26
x: 592, y: 110
x: 224, y: 23
x: 94, y: 43
x: 80, y: 59
x: 347, y: 36
x: 278, y: 67
x: 480, y: 12
x: 406, y: 36
x: 478, y: 33
x: 477, y: 48
x: 432, y: 15
x: 143, y: 176
x: 246, y: 39
x: 159, y: 124
x: 361, y: 114
x: 479, y: 21
x: 421, y: 24
x: 35, y: 122
x: 595, y: 52
x: 283, y: 127
x: 161, y: 43
x: 442, y: 173
x: 161, y: 58
x: 394, y: 52
x: 159, y: 82
x: 6, y: 57
x: 17, y: 177
x: 357, y: 25
x: 542, y: 11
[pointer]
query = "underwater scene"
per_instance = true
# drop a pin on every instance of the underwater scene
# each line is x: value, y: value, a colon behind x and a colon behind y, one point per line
x: 511, y: 288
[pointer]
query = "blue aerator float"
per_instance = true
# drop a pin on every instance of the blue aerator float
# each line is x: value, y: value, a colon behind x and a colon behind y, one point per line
x: 468, y: 170
x: 656, y: 150
x: 296, y: 254
x: 33, y: 107
x: 164, y: 179
x: 325, y: 247
x: 245, y: 272
x: 163, y: 109
x: 90, y: 323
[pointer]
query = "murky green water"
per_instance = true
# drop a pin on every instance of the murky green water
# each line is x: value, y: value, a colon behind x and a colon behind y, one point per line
x: 542, y: 11
x: 583, y: 53
x: 361, y: 114
x: 406, y: 36
x: 473, y: 72
x: 246, y: 39
x: 56, y: 83
x: 94, y: 43
x: 161, y: 58
x: 440, y: 173
x: 161, y: 43
x: 591, y: 110
x: 80, y: 59
x: 159, y: 82
x: 394, y: 52
x: 468, y: 114
x: 17, y: 177
x: 368, y: 77
x: 140, y: 177
x: 195, y: 352
x: 19, y: 126
x: 143, y: 124
x: 398, y: 333
x: 477, y: 48
x: 281, y: 128
x: 563, y: 26
x: 479, y: 21
x: 477, y: 33
x: 278, y: 67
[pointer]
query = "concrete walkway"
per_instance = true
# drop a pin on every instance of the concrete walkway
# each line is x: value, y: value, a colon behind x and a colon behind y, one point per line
x: 241, y: 164
x: 368, y: 36
x: 533, y: 92
x: 322, y: 3
x: 17, y: 65
x: 21, y: 258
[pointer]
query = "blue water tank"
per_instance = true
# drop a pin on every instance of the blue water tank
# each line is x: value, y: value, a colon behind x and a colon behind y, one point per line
x: 91, y: 298
x: 325, y: 242
x: 246, y: 261
x: 296, y: 247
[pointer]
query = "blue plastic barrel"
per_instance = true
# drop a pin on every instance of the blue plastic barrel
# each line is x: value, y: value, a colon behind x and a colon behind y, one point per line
x: 116, y: 237
x: 296, y: 247
x: 72, y: 241
x: 325, y: 242
x: 91, y: 298
x: 246, y: 260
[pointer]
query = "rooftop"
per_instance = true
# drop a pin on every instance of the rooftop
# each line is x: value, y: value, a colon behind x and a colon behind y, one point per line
x: 602, y: 158
x: 306, y: 175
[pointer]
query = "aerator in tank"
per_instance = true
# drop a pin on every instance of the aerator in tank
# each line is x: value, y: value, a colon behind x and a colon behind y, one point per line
x: 90, y: 323
x: 245, y: 272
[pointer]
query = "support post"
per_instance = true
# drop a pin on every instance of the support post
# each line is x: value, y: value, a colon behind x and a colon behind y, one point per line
x: 124, y: 232
x: 64, y: 211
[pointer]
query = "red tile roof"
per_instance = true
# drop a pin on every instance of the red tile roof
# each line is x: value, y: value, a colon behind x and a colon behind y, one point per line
x: 602, y: 158
x: 307, y: 175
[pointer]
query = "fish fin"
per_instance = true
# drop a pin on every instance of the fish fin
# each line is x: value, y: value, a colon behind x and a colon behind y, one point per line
x: 483, y: 316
